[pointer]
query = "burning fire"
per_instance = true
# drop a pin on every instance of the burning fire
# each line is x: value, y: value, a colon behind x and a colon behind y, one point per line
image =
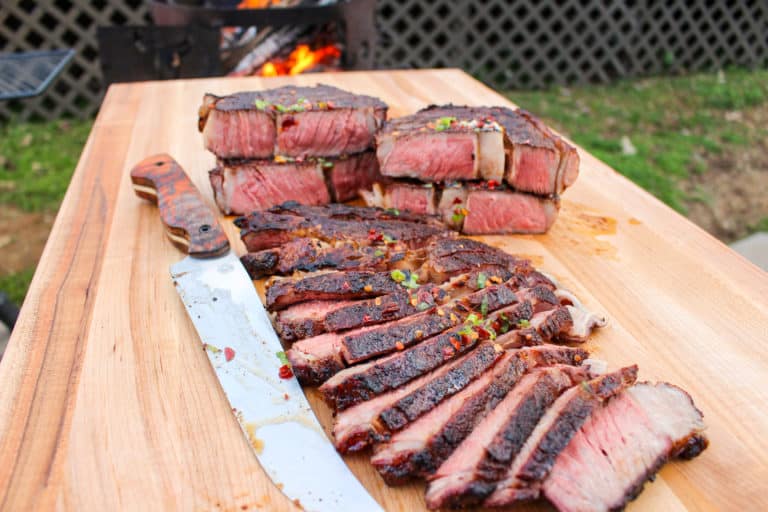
x: 300, y: 60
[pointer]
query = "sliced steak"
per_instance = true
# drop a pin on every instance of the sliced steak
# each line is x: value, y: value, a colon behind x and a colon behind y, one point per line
x: 346, y: 212
x: 419, y: 449
x: 416, y: 198
x: 241, y: 187
x: 306, y: 319
x: 264, y: 230
x: 363, y: 382
x: 309, y: 255
x: 504, y: 211
x: 290, y: 121
x: 374, y: 420
x: 553, y: 433
x: 451, y: 256
x: 393, y: 306
x: 469, y: 475
x: 349, y: 175
x: 622, y: 445
x: 444, y: 143
x: 358, y: 284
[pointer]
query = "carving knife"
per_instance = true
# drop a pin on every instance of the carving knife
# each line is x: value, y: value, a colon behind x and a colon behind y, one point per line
x: 243, y: 348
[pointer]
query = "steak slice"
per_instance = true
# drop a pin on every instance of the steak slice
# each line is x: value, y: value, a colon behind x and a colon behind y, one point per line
x: 469, y: 475
x: 419, y: 449
x: 553, y: 433
x: 622, y: 445
x: 306, y: 319
x: 264, y: 230
x: 445, y: 143
x: 309, y: 255
x: 346, y: 212
x: 290, y: 121
x: 241, y: 187
x: 504, y: 211
x: 347, y: 176
x: 358, y: 284
x: 416, y: 198
x: 393, y: 306
x: 428, y: 146
x: 359, y: 426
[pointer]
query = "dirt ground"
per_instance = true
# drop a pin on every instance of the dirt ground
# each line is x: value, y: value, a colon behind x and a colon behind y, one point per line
x: 733, y: 191
x: 22, y: 238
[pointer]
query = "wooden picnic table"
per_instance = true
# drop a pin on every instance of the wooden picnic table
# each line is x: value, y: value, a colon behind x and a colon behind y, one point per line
x: 108, y: 403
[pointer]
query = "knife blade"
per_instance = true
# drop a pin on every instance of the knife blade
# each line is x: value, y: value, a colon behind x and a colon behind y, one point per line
x: 243, y: 348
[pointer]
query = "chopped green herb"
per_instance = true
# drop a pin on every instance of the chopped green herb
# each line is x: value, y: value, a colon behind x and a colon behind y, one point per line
x: 301, y: 101
x: 482, y: 279
x: 261, y: 104
x: 504, y: 328
x: 523, y: 323
x: 280, y: 108
x: 467, y: 331
x: 491, y: 330
x: 472, y: 319
x: 484, y: 306
x: 423, y: 306
x: 282, y: 357
x: 393, y: 211
x: 457, y: 218
x: 388, y: 239
x: 412, y: 282
x: 397, y: 276
x: 378, y: 253
x: 444, y: 123
x: 213, y: 349
x: 326, y: 164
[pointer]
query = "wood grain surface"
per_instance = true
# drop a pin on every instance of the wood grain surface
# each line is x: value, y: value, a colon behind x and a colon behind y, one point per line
x: 108, y: 403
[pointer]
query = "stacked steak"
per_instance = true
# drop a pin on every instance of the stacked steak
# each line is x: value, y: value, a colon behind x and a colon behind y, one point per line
x: 313, y: 145
x: 483, y: 170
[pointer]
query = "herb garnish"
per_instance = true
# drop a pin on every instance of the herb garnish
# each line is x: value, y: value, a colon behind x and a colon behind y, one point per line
x: 283, y: 358
x: 482, y: 279
x: 523, y: 323
x: 444, y: 123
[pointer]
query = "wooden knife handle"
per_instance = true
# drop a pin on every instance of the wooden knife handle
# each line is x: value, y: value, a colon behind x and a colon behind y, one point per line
x: 189, y: 222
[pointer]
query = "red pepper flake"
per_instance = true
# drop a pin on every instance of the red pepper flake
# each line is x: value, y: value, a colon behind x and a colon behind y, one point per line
x: 484, y: 334
x: 480, y: 123
x: 399, y: 345
x: 373, y: 236
x: 288, y: 122
x: 457, y: 200
x: 456, y: 343
x: 345, y: 285
x: 229, y: 354
x: 330, y: 105
x: 285, y: 372
x: 366, y: 318
x: 492, y: 184
x: 448, y: 352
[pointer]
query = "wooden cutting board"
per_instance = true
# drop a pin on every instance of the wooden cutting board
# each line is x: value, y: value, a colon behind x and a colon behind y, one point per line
x: 108, y: 403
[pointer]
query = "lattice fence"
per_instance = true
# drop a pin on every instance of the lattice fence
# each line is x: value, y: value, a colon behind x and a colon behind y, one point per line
x: 508, y: 44
x: 49, y: 24
x: 524, y: 44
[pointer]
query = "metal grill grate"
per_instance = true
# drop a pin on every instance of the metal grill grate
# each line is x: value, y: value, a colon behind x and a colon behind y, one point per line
x: 506, y: 43
x: 27, y: 74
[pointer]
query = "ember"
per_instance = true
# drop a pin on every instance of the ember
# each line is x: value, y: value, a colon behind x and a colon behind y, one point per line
x: 301, y: 59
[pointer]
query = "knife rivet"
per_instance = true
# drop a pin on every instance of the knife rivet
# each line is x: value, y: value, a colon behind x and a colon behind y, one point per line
x: 205, y: 228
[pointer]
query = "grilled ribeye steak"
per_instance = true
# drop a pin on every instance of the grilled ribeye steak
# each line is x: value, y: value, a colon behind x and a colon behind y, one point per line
x: 473, y: 208
x: 419, y: 449
x: 447, y: 143
x: 243, y: 186
x: 268, y: 229
x: 375, y: 420
x: 314, y: 360
x: 290, y: 121
x: 552, y: 434
x: 622, y: 445
x: 469, y: 475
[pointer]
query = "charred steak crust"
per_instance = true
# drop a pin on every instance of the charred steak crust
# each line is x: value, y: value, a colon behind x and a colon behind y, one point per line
x: 333, y: 285
x: 396, y: 370
x: 426, y: 398
x: 390, y: 337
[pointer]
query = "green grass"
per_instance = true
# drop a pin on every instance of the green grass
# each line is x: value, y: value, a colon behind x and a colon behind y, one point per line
x: 675, y: 124
x: 36, y: 164
x: 37, y: 161
x: 15, y: 285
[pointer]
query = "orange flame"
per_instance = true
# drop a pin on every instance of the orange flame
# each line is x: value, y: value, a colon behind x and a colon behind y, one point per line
x: 301, y: 59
